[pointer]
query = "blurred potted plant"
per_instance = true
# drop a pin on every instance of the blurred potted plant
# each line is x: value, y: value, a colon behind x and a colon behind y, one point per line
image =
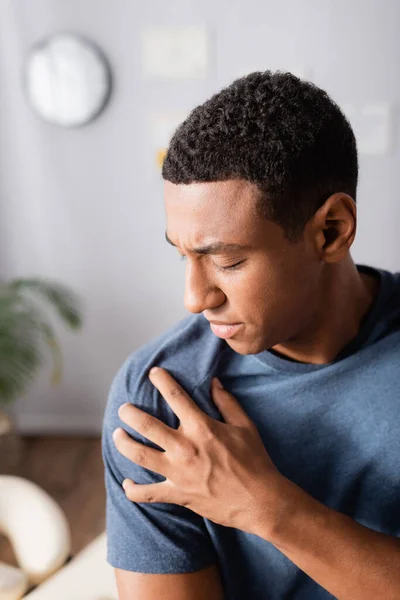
x: 25, y: 336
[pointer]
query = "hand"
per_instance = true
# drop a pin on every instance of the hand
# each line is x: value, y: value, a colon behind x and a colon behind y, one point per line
x: 221, y: 471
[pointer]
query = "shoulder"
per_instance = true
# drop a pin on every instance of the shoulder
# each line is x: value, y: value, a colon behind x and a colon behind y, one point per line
x: 188, y: 350
x: 139, y: 534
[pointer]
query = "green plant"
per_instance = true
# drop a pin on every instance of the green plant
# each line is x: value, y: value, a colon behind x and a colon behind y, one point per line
x: 25, y: 333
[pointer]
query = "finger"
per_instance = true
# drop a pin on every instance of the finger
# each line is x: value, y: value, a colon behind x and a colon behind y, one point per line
x: 148, y: 426
x: 152, y: 492
x: 142, y: 455
x: 180, y: 402
x: 228, y: 406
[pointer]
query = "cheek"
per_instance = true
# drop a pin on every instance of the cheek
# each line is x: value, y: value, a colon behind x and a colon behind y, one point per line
x: 252, y: 293
x: 294, y: 300
x: 272, y: 294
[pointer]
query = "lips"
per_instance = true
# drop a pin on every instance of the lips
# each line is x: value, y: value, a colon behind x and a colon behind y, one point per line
x: 225, y: 331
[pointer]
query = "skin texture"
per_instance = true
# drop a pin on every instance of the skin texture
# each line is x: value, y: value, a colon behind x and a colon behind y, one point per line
x: 302, y: 300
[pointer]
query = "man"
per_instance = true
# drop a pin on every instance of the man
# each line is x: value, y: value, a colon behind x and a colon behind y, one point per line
x: 285, y: 483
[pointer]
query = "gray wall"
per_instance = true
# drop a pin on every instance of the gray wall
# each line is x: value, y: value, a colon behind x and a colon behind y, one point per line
x: 83, y: 206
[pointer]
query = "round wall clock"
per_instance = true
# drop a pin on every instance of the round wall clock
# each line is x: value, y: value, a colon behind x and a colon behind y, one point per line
x: 67, y: 80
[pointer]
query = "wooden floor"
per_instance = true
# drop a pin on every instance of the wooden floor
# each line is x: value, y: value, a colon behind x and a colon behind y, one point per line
x: 70, y: 469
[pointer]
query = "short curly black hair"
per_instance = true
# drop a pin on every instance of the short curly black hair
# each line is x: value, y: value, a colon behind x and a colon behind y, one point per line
x: 284, y: 134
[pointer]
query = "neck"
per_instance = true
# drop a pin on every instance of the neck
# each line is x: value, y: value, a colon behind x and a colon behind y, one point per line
x: 345, y: 298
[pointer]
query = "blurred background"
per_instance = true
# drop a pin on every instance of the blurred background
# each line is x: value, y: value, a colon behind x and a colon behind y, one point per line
x: 90, y: 93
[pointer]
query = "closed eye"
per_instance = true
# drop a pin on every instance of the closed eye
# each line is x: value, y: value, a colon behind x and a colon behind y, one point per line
x: 228, y: 268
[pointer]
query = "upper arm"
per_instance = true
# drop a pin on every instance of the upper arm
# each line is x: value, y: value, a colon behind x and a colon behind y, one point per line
x: 197, y: 585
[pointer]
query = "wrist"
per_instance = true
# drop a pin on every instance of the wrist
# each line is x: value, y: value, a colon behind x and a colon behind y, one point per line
x: 275, y: 501
x: 294, y: 513
x: 274, y: 512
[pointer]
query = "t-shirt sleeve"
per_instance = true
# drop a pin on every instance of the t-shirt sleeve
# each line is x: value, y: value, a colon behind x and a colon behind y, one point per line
x: 146, y: 537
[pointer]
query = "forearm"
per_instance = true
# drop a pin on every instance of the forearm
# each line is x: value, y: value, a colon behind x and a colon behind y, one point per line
x: 349, y: 560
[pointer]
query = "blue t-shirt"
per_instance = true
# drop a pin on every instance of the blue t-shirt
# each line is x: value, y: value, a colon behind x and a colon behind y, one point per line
x: 333, y: 429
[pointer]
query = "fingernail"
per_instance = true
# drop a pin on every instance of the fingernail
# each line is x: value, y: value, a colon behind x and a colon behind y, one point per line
x: 153, y: 370
x: 218, y: 384
x: 122, y: 406
x: 125, y: 483
x: 116, y: 433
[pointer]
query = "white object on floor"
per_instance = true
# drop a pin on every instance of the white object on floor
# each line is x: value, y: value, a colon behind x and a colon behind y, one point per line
x: 35, y: 525
x: 87, y: 576
x: 13, y: 582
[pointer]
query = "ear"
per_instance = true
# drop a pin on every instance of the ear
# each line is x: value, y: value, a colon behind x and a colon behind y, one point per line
x: 334, y: 227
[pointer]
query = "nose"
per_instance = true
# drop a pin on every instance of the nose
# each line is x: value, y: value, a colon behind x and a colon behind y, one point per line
x: 199, y: 292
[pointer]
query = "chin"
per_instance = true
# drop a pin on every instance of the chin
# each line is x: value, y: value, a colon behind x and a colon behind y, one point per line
x: 245, y: 348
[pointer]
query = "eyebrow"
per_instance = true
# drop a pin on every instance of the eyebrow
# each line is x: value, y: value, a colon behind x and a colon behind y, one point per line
x: 214, y: 248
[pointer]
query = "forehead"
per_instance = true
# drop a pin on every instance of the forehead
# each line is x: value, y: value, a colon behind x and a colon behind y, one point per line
x: 218, y: 210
